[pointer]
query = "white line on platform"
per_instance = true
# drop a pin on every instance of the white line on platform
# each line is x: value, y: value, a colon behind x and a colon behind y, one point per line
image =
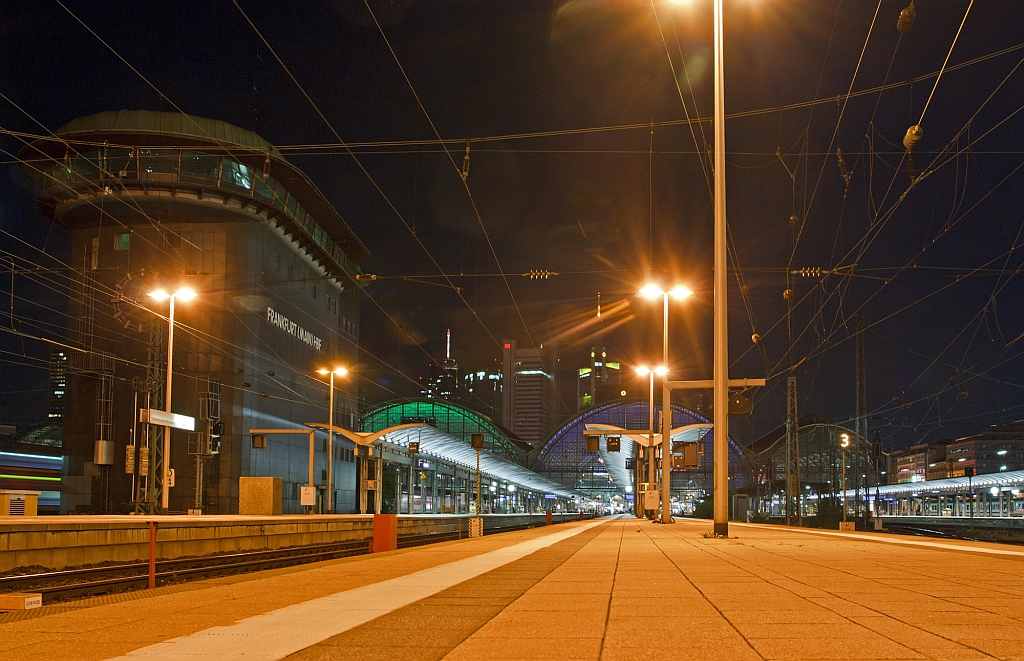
x: 889, y: 540
x: 277, y: 634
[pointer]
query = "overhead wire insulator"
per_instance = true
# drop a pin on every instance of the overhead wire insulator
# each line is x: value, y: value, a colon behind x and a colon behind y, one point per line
x: 843, y: 171
x: 913, y: 136
x: 906, y: 19
x: 465, y: 163
x: 540, y: 274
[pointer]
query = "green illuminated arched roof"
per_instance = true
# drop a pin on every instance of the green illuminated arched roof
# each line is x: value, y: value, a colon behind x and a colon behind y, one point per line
x: 450, y: 418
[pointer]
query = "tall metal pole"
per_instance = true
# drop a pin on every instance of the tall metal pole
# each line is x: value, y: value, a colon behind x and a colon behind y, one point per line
x: 478, y: 505
x: 666, y: 430
x: 650, y: 448
x: 844, y: 485
x: 721, y: 354
x: 312, y: 459
x: 166, y: 461
x: 330, y: 446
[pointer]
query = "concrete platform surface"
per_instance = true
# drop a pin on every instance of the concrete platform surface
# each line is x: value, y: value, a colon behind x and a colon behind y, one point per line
x: 610, y: 589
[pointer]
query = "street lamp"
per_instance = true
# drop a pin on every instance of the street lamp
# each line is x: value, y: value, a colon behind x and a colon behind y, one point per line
x: 643, y: 370
x: 184, y: 295
x: 721, y: 320
x: 652, y: 291
x: 340, y: 371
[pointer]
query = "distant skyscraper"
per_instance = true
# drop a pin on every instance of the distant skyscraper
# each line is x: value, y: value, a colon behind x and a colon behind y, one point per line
x: 529, y: 395
x: 58, y: 384
x: 482, y: 390
x: 443, y: 382
x: 599, y: 382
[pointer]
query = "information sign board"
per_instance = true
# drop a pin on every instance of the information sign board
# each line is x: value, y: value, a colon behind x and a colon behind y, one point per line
x: 165, y: 419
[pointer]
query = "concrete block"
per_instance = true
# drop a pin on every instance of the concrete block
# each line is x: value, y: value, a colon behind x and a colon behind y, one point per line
x: 259, y: 496
x: 16, y: 601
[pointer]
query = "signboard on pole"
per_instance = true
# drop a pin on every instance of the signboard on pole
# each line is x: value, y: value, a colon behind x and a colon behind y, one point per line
x: 165, y: 419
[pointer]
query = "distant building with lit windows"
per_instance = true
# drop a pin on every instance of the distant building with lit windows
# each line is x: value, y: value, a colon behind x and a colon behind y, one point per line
x: 529, y: 396
x: 58, y: 384
x: 443, y: 380
x: 997, y: 450
x: 598, y: 382
x: 483, y: 390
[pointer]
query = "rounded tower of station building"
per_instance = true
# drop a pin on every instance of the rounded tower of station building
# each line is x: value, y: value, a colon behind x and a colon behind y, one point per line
x: 168, y: 200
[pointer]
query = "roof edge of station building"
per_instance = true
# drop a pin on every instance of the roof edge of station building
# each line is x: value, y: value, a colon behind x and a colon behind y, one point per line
x: 127, y: 128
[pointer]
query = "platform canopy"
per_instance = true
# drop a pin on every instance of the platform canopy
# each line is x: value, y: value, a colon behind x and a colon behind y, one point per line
x: 1006, y: 480
x: 445, y: 448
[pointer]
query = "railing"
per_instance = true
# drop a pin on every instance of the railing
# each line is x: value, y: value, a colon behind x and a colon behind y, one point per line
x: 103, y: 167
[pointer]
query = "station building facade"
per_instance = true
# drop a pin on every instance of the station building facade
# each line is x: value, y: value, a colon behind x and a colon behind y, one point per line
x: 165, y: 200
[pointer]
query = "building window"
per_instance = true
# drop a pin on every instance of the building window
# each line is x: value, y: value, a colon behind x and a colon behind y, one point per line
x: 314, y: 292
x: 121, y: 242
x: 277, y: 263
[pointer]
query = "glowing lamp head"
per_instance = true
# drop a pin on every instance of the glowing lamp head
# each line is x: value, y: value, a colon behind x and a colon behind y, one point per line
x: 680, y: 292
x: 185, y: 294
x: 643, y: 371
x: 661, y: 370
x: 651, y: 291
x: 337, y: 371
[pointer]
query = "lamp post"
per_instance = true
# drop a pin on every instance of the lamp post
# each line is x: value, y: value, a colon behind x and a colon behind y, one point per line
x: 340, y: 371
x: 844, y: 444
x: 661, y: 371
x: 184, y: 295
x: 721, y: 331
x: 652, y: 291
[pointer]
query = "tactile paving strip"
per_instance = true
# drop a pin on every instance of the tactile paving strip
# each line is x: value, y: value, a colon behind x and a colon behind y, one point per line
x: 277, y: 634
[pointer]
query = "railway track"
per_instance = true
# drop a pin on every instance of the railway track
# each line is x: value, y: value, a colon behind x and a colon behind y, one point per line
x: 69, y: 584
x: 941, y: 533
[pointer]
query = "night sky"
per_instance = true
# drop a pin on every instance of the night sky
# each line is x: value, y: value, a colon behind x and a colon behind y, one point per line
x: 583, y: 162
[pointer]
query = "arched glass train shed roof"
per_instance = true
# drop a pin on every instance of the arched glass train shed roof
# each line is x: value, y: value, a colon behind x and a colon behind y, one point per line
x: 449, y: 418
x: 564, y: 457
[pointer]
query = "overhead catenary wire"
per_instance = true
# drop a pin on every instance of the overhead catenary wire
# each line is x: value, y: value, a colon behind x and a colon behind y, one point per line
x: 463, y: 172
x: 190, y: 119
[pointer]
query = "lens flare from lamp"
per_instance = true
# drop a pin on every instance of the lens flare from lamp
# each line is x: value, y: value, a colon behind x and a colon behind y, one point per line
x: 651, y: 291
x: 185, y: 294
x: 679, y: 292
